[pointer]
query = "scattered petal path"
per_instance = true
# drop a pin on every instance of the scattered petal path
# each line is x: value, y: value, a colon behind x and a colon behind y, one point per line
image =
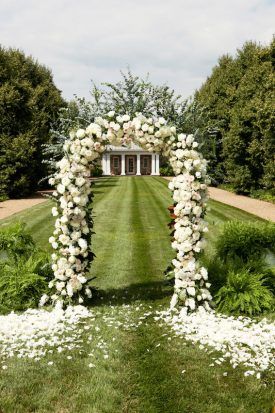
x: 241, y: 340
x: 35, y: 334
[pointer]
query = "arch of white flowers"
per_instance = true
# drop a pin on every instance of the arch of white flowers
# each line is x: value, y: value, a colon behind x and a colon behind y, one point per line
x: 71, y: 239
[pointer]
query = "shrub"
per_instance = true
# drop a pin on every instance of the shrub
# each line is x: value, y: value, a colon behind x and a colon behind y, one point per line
x: 264, y: 194
x: 15, y: 241
x: 244, y: 293
x: 96, y: 171
x: 24, y: 270
x: 217, y: 271
x: 23, y: 282
x: 240, y: 255
x: 166, y: 170
x: 245, y: 240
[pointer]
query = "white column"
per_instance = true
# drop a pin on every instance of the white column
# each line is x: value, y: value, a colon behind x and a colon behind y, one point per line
x: 123, y: 164
x: 103, y: 164
x: 108, y: 164
x: 157, y: 164
x: 153, y: 164
x: 138, y: 164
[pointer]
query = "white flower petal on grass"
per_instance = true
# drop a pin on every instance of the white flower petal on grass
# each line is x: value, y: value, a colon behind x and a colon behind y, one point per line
x: 241, y: 340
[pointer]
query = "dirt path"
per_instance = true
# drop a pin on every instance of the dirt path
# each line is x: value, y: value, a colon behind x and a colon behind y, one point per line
x: 262, y: 209
x: 12, y: 206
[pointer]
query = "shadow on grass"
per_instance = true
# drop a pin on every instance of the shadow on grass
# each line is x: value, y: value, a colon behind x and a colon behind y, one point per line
x: 147, y: 291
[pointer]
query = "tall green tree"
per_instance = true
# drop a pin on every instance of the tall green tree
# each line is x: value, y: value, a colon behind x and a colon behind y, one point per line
x: 238, y: 102
x: 29, y: 103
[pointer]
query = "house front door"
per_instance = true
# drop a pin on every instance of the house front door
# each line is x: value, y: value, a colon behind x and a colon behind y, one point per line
x: 130, y: 164
x: 116, y: 164
x: 145, y: 164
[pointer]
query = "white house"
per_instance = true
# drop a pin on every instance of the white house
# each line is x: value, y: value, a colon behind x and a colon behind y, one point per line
x: 132, y: 160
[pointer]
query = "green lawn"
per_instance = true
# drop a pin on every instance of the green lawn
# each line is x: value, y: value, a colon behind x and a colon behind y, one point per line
x: 144, y: 371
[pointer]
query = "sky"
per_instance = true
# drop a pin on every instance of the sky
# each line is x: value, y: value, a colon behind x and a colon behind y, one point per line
x: 177, y: 41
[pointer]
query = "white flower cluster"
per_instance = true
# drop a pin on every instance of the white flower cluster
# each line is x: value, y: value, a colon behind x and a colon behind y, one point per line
x: 241, y: 340
x: 190, y: 197
x: 71, y: 238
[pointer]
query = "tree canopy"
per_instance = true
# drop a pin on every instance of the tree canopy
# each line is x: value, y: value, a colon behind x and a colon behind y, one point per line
x: 237, y: 126
x: 29, y: 103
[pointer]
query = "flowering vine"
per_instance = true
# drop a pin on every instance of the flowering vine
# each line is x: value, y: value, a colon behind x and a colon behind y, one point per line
x: 71, y: 239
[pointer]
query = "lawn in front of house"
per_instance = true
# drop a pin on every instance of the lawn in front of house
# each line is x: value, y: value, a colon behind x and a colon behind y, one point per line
x: 148, y: 369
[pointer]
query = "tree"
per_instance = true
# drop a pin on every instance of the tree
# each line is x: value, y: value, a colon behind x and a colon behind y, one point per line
x: 237, y: 103
x: 29, y: 102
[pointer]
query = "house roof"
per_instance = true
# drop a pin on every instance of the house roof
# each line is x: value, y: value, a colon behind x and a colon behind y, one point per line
x: 131, y: 147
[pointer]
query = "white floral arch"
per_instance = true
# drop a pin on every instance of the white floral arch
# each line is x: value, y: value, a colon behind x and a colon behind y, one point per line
x: 73, y: 226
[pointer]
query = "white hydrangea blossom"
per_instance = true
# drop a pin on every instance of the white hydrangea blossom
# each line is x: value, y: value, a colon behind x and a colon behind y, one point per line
x: 71, y: 237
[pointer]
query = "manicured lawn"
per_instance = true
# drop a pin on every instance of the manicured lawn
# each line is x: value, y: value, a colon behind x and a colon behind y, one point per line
x: 143, y: 373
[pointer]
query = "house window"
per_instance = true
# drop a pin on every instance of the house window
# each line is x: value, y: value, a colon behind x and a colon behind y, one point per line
x: 145, y: 162
x: 131, y: 165
x: 115, y: 162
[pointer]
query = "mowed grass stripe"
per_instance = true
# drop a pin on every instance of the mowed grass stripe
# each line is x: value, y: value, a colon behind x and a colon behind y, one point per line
x: 113, y: 237
x: 150, y: 223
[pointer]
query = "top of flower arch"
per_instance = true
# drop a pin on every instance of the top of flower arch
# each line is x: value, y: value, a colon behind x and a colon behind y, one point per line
x: 153, y: 134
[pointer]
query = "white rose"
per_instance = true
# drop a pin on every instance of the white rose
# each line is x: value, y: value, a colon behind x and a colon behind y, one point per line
x: 70, y: 290
x: 191, y: 291
x: 80, y: 181
x: 191, y: 303
x: 54, y: 212
x: 66, y: 181
x: 80, y: 133
x: 88, y: 292
x: 72, y: 259
x: 82, y: 279
x: 197, y: 210
x: 179, y: 153
x: 111, y: 114
x: 189, y: 140
x: 61, y: 188
x: 116, y: 127
x: 82, y: 243
x: 125, y: 118
x: 64, y: 219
